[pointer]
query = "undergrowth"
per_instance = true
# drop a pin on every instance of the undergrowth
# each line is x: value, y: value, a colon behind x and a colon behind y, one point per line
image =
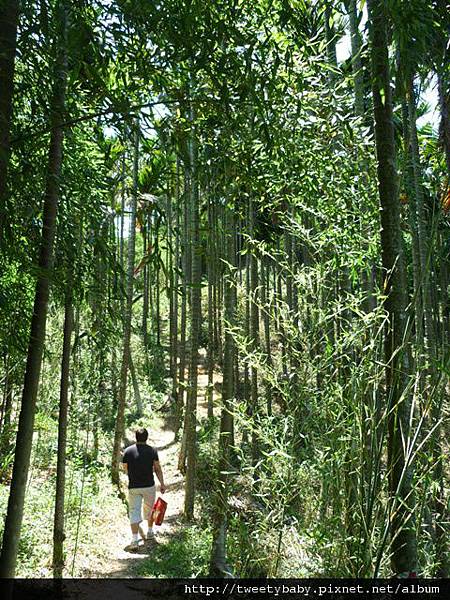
x: 185, y: 555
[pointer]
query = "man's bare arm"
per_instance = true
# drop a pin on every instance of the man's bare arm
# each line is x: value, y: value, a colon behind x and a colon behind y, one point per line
x: 159, y: 475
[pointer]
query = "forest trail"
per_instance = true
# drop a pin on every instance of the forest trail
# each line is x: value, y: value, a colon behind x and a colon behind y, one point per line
x: 113, y: 561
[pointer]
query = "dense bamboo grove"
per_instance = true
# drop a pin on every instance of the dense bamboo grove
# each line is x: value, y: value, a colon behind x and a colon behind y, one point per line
x: 252, y: 192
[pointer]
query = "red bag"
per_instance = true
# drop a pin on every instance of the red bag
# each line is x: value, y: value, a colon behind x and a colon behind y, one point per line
x: 158, y: 511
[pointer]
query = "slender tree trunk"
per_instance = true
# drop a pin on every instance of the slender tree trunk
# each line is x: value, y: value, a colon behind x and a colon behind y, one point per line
x: 13, y: 522
x: 170, y: 282
x: 215, y: 289
x: 191, y: 404
x: 331, y: 38
x: 294, y: 244
x: 356, y: 45
x: 422, y: 232
x: 5, y: 432
x: 116, y: 304
x: 358, y: 81
x: 183, y: 324
x: 148, y: 301
x: 425, y: 238
x: 265, y: 270
x: 175, y: 289
x: 288, y: 271
x: 58, y: 527
x: 135, y: 382
x: 120, y: 421
x: 211, y: 275
x: 145, y: 243
x: 281, y: 310
x: 441, y: 534
x: 408, y: 178
x: 215, y: 298
x: 247, y: 319
x: 401, y: 502
x: 122, y: 222
x: 254, y: 334
x: 444, y: 102
x: 158, y: 297
x: 441, y: 503
x: 9, y: 18
x: 218, y: 566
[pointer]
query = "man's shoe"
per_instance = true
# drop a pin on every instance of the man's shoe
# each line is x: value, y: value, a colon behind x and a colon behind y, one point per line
x: 133, y: 546
x: 150, y: 536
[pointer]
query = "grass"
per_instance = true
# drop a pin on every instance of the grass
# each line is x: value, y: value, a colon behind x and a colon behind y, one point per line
x: 184, y: 555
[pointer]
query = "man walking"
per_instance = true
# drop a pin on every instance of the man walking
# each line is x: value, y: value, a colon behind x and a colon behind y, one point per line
x: 140, y: 461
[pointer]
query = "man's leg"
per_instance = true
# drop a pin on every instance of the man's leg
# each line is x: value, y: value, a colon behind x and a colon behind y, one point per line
x: 149, y: 501
x: 134, y: 503
x: 135, y: 528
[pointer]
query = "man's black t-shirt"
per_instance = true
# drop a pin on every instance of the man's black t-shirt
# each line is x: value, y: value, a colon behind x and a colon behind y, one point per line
x: 139, y: 458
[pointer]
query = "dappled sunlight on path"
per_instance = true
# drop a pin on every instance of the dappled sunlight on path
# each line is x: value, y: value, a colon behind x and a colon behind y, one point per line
x: 113, y: 560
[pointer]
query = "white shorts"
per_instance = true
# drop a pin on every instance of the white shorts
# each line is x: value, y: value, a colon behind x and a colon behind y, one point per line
x: 135, y: 498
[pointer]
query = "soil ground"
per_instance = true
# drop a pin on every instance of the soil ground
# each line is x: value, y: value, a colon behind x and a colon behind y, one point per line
x: 111, y: 560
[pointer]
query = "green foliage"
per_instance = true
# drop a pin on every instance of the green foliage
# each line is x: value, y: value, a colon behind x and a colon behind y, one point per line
x: 157, y: 369
x: 207, y: 460
x: 184, y: 555
x: 6, y: 461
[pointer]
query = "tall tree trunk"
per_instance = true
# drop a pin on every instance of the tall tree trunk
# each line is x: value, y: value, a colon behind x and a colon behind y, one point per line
x: 148, y: 299
x: 191, y: 404
x: 211, y: 276
x: 254, y: 333
x: 175, y: 288
x: 441, y: 504
x: 220, y: 246
x: 183, y: 326
x: 215, y: 298
x: 444, y: 102
x: 9, y: 18
x: 401, y: 501
x: 408, y: 178
x: 122, y: 220
x: 425, y: 237
x: 145, y: 303
x: 280, y: 308
x: 5, y: 420
x: 116, y: 303
x: 421, y: 221
x: 441, y: 533
x: 247, y: 320
x: 120, y: 421
x: 58, y: 526
x: 330, y: 34
x: 158, y: 294
x: 13, y: 522
x: 218, y: 566
x: 265, y: 280
x: 356, y: 45
x: 135, y: 382
x: 170, y: 281
x: 358, y: 82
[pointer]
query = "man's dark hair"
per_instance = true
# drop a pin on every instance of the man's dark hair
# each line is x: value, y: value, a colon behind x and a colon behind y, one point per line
x: 141, y: 435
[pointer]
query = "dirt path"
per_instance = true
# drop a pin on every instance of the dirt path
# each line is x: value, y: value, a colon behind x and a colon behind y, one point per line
x: 113, y: 560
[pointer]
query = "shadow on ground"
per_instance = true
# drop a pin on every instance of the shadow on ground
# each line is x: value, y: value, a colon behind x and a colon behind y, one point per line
x: 169, y: 424
x: 174, y: 556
